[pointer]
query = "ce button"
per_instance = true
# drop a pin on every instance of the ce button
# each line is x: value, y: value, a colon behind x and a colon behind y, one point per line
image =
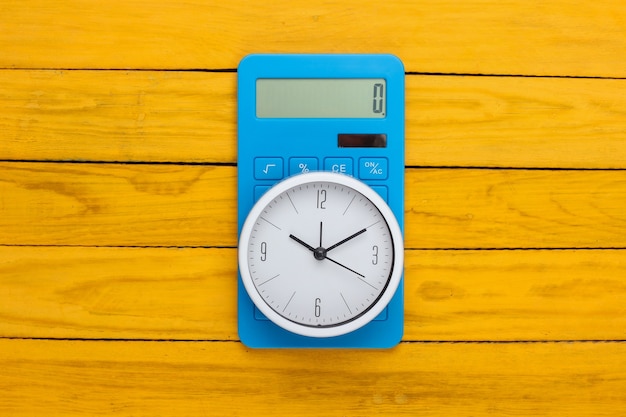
x: 339, y: 165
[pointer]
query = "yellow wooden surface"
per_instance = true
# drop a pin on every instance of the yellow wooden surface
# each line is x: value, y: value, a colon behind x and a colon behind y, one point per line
x: 171, y: 378
x: 133, y: 116
x: 554, y: 37
x: 118, y: 192
x: 182, y: 205
x: 189, y: 294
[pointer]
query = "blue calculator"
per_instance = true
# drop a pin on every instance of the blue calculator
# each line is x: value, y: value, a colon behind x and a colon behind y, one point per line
x: 320, y: 150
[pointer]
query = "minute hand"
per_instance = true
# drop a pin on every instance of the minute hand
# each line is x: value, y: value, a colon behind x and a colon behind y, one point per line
x: 345, y: 240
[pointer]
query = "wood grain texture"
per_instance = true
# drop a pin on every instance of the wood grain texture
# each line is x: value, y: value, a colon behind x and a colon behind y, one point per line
x: 143, y: 379
x: 105, y: 205
x: 190, y: 294
x: 118, y: 116
x: 449, y: 208
x: 179, y: 205
x: 554, y: 37
x: 118, y: 230
x: 191, y: 117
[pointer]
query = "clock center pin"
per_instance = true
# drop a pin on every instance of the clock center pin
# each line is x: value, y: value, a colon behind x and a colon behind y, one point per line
x: 320, y: 253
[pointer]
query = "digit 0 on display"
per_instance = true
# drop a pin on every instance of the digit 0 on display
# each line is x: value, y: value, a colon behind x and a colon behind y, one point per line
x: 379, y: 98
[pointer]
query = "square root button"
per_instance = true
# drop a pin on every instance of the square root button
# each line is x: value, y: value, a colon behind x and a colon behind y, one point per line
x: 268, y: 168
x: 373, y: 168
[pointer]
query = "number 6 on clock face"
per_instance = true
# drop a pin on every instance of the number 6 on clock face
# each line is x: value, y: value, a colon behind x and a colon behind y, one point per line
x: 321, y: 254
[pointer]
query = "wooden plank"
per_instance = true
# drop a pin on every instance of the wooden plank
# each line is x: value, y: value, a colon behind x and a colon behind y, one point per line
x: 190, y: 294
x: 551, y: 38
x: 515, y: 209
x: 178, y: 205
x: 118, y: 116
x: 74, y: 378
x: 130, y: 293
x: 515, y: 122
x: 191, y: 117
x: 110, y: 205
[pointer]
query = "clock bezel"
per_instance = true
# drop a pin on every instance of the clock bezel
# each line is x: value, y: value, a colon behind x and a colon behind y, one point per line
x: 375, y: 308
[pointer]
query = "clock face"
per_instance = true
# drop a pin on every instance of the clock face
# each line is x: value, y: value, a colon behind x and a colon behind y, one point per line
x: 321, y: 254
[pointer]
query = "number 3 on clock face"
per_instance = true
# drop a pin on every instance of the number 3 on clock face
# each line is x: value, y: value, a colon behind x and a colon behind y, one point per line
x: 321, y: 254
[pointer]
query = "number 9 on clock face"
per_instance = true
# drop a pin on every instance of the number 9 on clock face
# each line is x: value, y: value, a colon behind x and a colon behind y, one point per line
x: 321, y: 254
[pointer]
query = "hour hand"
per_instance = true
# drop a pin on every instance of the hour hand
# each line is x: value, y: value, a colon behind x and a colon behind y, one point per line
x: 303, y: 243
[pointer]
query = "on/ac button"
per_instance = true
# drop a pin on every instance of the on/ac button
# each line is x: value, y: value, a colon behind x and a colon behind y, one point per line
x: 373, y: 168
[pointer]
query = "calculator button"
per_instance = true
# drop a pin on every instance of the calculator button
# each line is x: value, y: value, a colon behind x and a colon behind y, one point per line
x: 258, y: 315
x: 302, y: 165
x: 373, y: 168
x: 259, y: 190
x: 340, y: 165
x: 382, y: 191
x: 268, y: 168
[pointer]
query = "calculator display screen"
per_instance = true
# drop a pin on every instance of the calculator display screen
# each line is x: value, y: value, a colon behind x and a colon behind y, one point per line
x: 328, y: 98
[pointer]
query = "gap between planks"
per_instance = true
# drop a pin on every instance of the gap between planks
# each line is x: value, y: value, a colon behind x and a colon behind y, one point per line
x: 407, y: 73
x: 402, y: 342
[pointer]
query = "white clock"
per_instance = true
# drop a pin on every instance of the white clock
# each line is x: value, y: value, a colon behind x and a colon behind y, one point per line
x: 321, y: 254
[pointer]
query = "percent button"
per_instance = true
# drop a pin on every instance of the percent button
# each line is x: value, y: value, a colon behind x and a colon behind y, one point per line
x: 373, y: 168
x: 302, y: 165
